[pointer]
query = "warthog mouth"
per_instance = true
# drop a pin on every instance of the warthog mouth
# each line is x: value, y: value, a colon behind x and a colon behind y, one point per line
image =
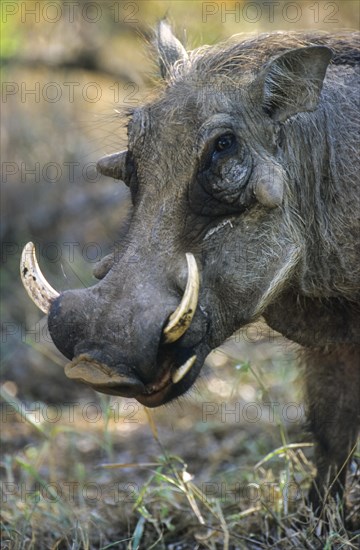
x: 108, y: 380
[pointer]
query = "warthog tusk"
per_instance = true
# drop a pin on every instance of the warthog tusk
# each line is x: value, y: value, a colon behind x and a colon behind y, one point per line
x: 183, y: 370
x: 180, y: 320
x: 37, y: 287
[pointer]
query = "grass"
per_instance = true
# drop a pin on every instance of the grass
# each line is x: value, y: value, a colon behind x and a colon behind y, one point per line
x: 202, y: 474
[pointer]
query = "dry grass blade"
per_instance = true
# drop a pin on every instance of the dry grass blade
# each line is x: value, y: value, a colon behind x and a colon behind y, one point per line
x: 152, y: 424
x: 281, y: 451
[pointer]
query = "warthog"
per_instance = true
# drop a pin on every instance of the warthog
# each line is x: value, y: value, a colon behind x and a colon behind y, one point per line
x: 243, y: 174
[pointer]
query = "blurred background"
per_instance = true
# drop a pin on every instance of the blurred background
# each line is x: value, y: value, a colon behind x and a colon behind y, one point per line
x: 68, y: 69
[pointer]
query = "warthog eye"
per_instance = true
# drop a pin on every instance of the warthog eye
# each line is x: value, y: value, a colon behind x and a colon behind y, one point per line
x: 224, y: 143
x: 224, y: 169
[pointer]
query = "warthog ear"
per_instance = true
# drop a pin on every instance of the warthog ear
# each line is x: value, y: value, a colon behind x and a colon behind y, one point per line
x: 112, y: 165
x: 292, y: 82
x: 169, y: 48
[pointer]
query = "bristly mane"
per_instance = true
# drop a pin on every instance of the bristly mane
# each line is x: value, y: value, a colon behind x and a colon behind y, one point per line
x: 252, y: 52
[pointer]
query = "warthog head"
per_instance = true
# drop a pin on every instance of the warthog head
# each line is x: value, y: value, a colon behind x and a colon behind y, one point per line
x: 212, y: 240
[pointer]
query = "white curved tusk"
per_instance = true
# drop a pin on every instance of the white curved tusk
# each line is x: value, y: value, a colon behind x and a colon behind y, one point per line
x: 180, y: 320
x: 37, y: 287
x: 183, y: 370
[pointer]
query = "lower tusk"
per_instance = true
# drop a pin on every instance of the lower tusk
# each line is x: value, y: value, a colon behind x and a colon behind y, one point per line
x: 180, y: 320
x: 37, y: 287
x: 183, y: 370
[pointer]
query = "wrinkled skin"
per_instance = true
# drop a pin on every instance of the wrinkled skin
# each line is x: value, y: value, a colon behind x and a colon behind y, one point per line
x: 247, y: 160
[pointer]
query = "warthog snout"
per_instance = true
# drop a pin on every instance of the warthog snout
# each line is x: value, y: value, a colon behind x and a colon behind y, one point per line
x: 144, y: 353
